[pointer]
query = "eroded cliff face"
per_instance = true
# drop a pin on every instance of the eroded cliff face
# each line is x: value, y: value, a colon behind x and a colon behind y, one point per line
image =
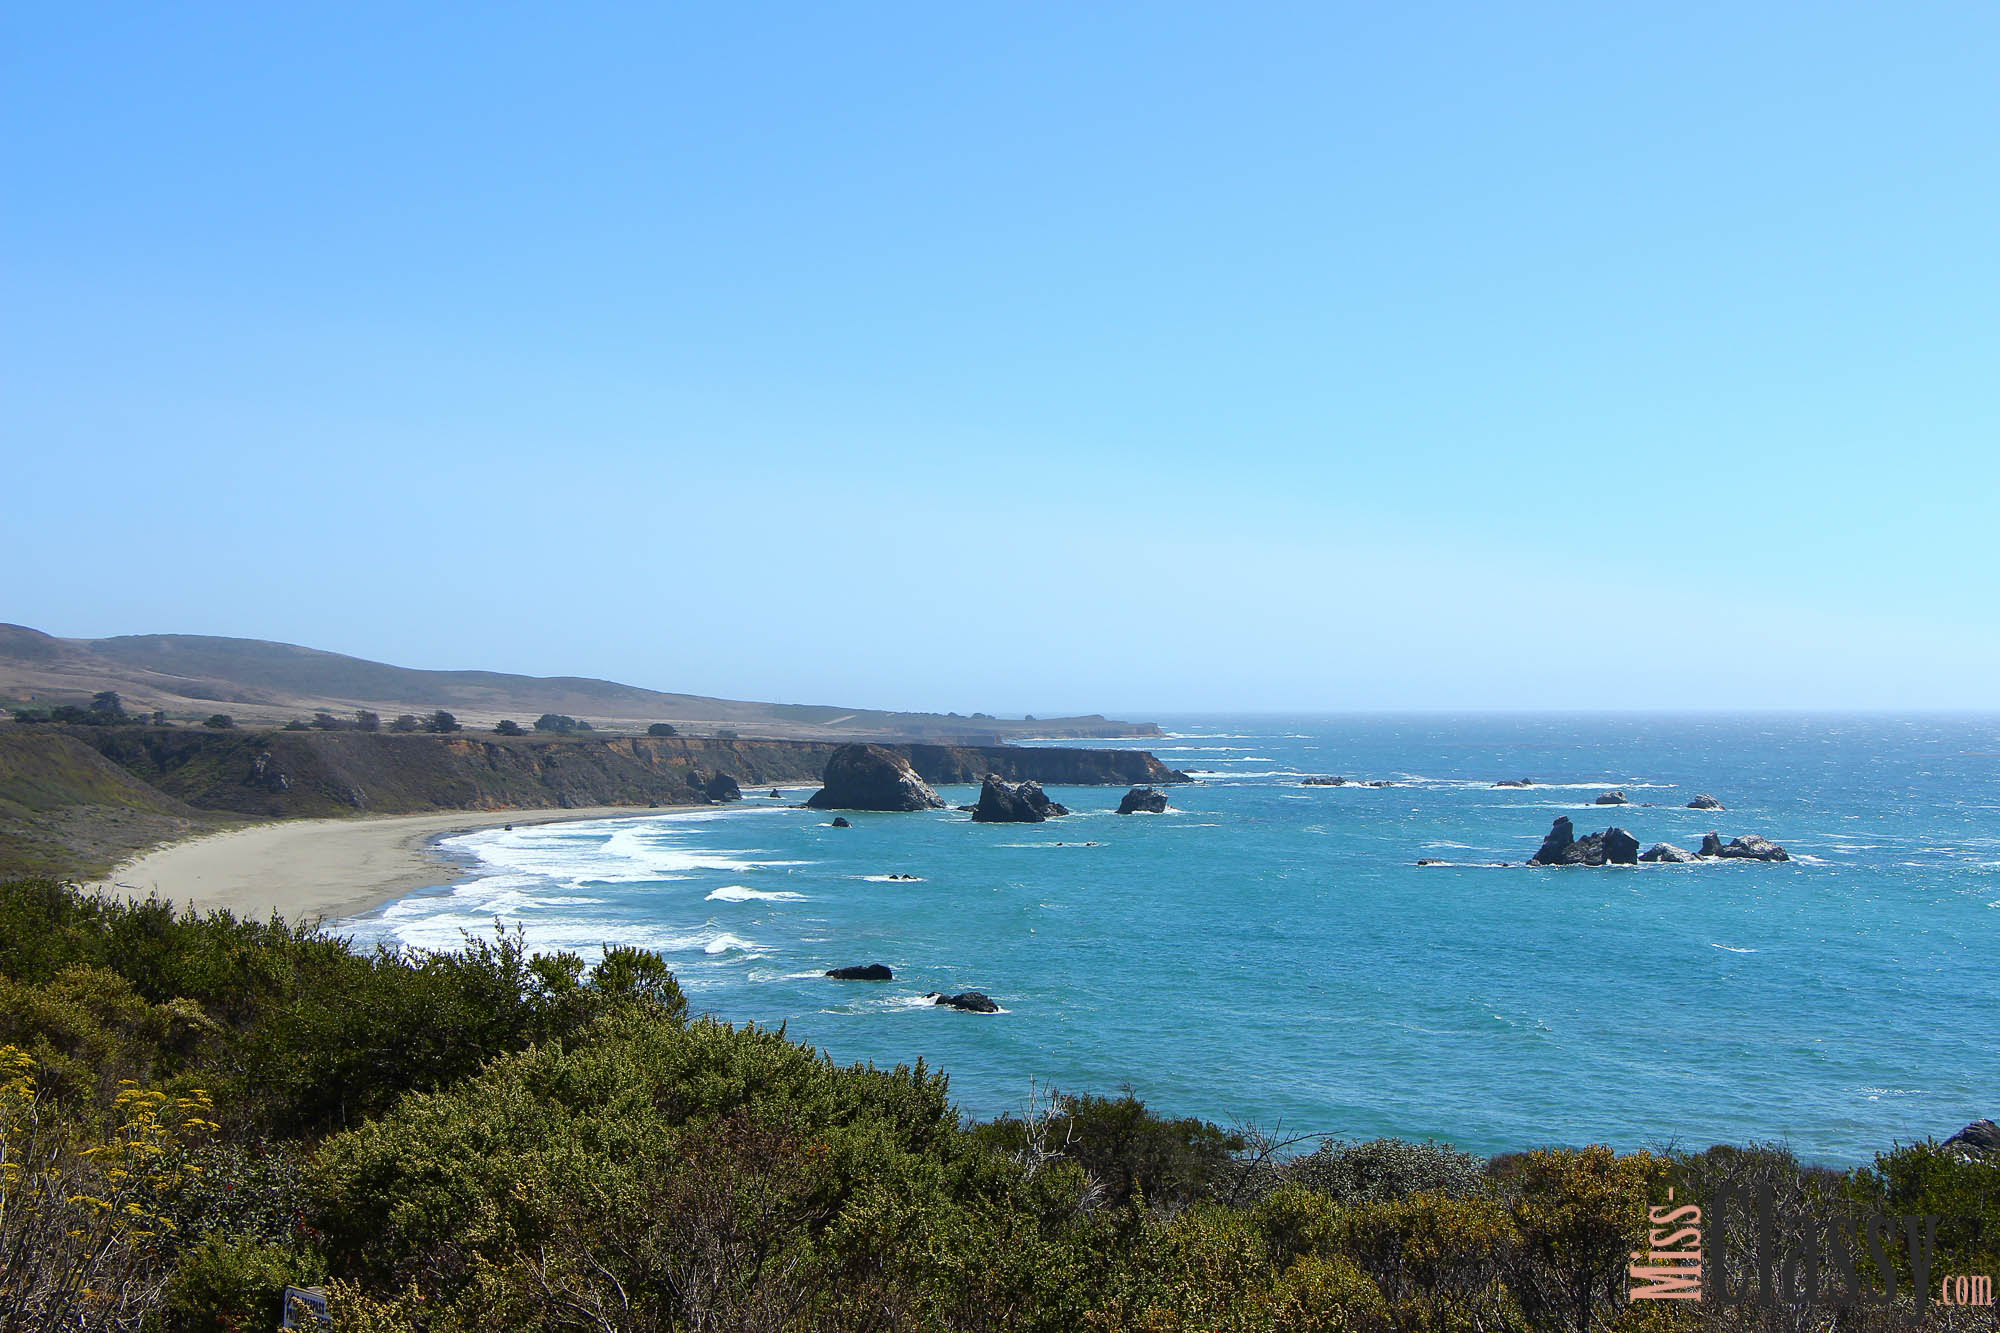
x: 278, y: 774
x: 1055, y: 766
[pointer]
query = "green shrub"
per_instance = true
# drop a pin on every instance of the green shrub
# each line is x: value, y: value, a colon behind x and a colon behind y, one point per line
x: 224, y: 1284
x: 1383, y: 1170
x: 1128, y: 1150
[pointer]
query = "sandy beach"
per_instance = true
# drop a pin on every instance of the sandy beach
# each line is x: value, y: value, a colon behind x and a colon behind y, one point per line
x: 326, y: 868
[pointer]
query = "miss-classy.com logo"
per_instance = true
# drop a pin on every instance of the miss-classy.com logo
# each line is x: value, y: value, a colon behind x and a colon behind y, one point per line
x: 1837, y: 1261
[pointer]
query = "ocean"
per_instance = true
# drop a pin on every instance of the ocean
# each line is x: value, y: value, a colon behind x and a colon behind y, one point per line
x: 1270, y: 954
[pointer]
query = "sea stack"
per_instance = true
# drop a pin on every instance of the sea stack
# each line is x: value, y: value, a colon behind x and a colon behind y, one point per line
x: 868, y: 777
x: 1024, y: 803
x: 1143, y: 800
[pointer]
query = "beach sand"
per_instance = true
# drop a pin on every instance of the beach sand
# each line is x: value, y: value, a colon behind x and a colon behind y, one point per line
x: 307, y: 868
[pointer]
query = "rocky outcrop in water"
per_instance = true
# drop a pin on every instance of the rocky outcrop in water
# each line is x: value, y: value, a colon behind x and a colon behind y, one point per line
x: 1562, y: 847
x: 722, y: 787
x: 868, y: 777
x: 1143, y: 800
x: 1667, y: 852
x: 869, y: 972
x: 1981, y: 1136
x: 1323, y: 782
x: 1025, y: 803
x: 1613, y: 798
x: 972, y: 1001
x: 1704, y: 802
x: 1749, y: 847
x: 840, y: 822
x: 1515, y: 782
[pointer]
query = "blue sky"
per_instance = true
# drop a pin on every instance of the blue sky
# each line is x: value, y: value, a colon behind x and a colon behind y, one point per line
x: 1017, y: 357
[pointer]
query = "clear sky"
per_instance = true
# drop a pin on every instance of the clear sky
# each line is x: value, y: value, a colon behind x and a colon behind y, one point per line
x: 1011, y: 357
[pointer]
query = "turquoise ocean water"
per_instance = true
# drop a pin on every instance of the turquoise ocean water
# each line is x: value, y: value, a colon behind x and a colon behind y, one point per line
x: 1271, y: 953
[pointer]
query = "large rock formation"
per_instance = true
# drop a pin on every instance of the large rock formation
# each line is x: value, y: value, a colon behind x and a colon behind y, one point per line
x: 868, y: 777
x: 1612, y: 798
x: 1750, y: 847
x: 971, y: 1001
x: 1704, y: 802
x: 868, y: 972
x: 1143, y: 800
x: 1562, y: 847
x: 722, y: 787
x: 1666, y: 851
x: 1981, y: 1136
x: 1022, y: 804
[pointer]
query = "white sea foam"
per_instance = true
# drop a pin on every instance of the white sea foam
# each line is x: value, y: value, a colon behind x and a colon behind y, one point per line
x: 727, y: 943
x: 742, y: 893
x: 892, y: 879
x: 1730, y: 948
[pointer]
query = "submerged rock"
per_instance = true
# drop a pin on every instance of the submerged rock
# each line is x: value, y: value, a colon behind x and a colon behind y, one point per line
x: 1705, y: 802
x: 1666, y: 851
x: 1613, y: 798
x: 1143, y: 800
x: 1323, y: 782
x: 1025, y: 803
x: 868, y: 777
x: 972, y: 1001
x: 868, y: 972
x: 1515, y: 782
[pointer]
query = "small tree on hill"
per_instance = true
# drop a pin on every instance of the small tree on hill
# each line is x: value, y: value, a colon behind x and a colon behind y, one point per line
x: 661, y: 729
x: 220, y: 721
x: 407, y: 722
x: 367, y: 721
x: 560, y: 723
x: 441, y: 722
x: 108, y: 706
x: 327, y: 722
x: 509, y: 727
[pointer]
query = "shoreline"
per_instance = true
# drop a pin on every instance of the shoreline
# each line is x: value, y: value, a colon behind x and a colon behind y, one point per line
x: 305, y: 869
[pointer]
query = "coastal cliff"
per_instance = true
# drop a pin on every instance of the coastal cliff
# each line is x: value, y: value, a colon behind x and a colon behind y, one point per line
x: 128, y: 786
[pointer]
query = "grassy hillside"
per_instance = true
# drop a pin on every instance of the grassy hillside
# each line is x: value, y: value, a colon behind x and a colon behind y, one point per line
x: 65, y: 808
x: 192, y: 675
